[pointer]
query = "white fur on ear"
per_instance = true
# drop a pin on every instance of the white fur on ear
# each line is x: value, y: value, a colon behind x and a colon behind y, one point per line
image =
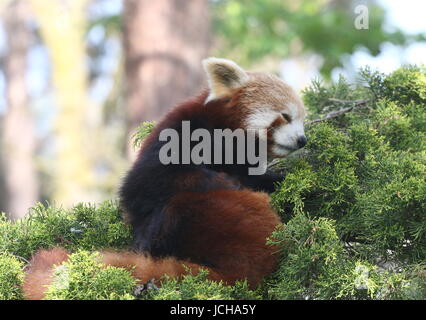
x: 224, y: 76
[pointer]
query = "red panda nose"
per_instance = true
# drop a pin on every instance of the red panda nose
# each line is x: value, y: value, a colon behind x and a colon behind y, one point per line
x: 301, y: 141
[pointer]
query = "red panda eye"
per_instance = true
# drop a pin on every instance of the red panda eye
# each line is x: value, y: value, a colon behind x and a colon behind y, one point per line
x: 286, y: 117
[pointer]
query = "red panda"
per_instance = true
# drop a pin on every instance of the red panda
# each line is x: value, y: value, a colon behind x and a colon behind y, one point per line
x: 211, y: 216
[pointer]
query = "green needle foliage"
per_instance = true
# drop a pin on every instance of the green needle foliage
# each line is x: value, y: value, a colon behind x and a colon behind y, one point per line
x: 197, y: 287
x: 142, y: 132
x: 11, y: 277
x: 315, y: 264
x: 353, y: 206
x: 356, y: 199
x: 366, y: 169
x: 83, y: 227
x: 83, y: 277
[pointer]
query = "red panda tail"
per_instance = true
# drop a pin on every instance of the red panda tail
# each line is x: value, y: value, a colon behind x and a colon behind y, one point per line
x: 39, y: 273
x: 143, y: 267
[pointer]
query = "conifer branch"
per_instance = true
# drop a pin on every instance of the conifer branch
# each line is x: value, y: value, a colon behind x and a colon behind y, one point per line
x: 338, y: 113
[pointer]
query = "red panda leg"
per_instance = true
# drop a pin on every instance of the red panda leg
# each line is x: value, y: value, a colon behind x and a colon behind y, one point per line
x: 39, y: 273
x: 227, y: 230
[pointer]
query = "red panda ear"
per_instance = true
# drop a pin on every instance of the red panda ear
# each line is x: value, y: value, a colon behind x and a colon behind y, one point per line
x: 224, y: 76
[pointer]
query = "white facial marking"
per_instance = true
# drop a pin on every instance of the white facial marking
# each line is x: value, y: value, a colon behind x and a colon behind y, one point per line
x: 261, y: 119
x: 292, y: 107
x: 285, y: 136
x: 280, y: 152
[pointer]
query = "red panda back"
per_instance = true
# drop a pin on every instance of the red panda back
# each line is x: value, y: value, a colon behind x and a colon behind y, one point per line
x: 201, y: 216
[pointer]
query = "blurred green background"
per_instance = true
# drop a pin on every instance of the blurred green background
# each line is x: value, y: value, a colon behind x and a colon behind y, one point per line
x: 78, y: 76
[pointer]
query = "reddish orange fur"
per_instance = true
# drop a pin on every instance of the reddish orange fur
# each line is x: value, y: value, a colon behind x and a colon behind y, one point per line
x: 232, y: 224
x: 39, y: 273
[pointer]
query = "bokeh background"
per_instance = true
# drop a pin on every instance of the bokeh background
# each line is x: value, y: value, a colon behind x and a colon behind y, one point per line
x: 78, y: 76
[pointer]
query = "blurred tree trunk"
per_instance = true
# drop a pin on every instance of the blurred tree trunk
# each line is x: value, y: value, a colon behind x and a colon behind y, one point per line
x: 62, y: 25
x: 3, y: 188
x: 19, y: 142
x: 164, y: 43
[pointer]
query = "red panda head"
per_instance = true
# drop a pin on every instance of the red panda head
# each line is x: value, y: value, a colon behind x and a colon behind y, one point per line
x: 262, y: 101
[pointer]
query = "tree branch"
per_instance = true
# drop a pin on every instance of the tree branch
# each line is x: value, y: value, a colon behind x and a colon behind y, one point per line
x: 338, y: 113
